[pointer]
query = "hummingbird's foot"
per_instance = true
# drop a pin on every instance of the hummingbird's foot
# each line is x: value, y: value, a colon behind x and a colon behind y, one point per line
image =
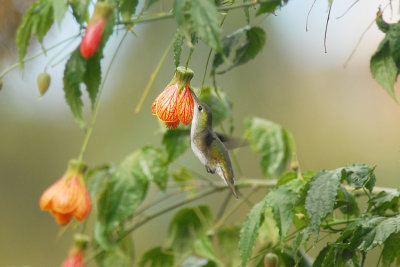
x: 209, y: 170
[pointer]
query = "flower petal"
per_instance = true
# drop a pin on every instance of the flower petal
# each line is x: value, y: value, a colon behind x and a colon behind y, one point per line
x: 62, y: 219
x: 166, y: 104
x: 66, y: 199
x: 48, y: 195
x: 84, y: 206
x: 185, y: 105
x: 154, y: 106
x: 172, y: 125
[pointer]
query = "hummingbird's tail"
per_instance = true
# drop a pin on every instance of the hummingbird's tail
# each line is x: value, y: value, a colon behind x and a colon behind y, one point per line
x: 233, y: 189
x: 228, y: 180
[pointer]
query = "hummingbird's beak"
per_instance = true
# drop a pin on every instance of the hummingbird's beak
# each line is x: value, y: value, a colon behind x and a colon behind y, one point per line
x: 195, y: 97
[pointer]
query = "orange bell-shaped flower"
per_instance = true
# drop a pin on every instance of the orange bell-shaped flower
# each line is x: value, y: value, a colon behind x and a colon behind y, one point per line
x: 175, y: 104
x: 68, y: 197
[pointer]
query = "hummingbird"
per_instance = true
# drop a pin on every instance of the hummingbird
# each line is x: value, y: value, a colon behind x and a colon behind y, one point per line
x: 208, y: 147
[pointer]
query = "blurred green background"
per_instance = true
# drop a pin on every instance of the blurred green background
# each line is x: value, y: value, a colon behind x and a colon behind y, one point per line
x: 337, y: 115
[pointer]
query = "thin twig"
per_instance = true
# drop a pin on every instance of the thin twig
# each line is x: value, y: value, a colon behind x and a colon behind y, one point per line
x: 326, y: 26
x: 348, y: 9
x: 308, y: 14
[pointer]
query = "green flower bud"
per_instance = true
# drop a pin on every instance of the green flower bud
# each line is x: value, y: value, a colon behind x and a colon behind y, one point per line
x: 43, y: 82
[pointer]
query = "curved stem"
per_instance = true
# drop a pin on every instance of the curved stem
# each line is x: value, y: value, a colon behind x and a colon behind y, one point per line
x: 205, y: 71
x: 154, y: 75
x: 16, y: 65
x: 96, y: 107
x: 188, y: 59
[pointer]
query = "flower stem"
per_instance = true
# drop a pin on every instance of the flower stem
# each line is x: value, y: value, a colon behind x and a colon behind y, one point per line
x: 188, y: 59
x: 154, y: 75
x: 96, y: 107
x: 205, y: 71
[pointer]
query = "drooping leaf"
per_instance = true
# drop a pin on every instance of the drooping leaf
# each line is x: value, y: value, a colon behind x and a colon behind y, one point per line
x: 391, y: 251
x: 269, y: 7
x: 36, y: 21
x: 347, y: 202
x: 360, y: 175
x: 375, y: 232
x: 96, y: 179
x: 186, y: 226
x: 80, y: 10
x: 59, y: 7
x: 128, y: 8
x: 255, y: 42
x: 178, y: 49
x: 157, y: 257
x: 321, y: 197
x: 92, y: 77
x: 249, y: 231
x: 246, y: 11
x: 383, y: 68
x: 204, y: 248
x: 179, y: 8
x: 175, y: 142
x: 274, y: 143
x: 128, y: 185
x: 384, y: 201
x: 282, y: 201
x: 206, y: 22
x: 73, y: 76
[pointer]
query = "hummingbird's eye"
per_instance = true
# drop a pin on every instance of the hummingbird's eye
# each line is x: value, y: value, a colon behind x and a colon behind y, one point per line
x: 200, y: 108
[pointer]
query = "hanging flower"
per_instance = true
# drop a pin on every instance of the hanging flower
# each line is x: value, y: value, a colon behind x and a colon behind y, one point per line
x: 175, y: 104
x: 68, y: 197
x: 75, y: 255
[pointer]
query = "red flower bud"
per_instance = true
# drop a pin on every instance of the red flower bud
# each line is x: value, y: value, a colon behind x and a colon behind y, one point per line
x: 43, y: 82
x: 175, y: 104
x: 68, y: 197
x: 94, y: 31
x: 74, y: 259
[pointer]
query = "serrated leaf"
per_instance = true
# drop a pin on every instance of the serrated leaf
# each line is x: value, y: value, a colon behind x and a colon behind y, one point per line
x: 128, y: 185
x: 384, y: 201
x: 92, y: 77
x: 206, y: 22
x: 324, y: 257
x: 80, y: 10
x: 178, y: 49
x: 59, y: 7
x: 73, y: 76
x: 321, y: 197
x: 36, y: 21
x: 376, y: 232
x: 255, y: 42
x: 157, y: 257
x: 382, y: 25
x: 360, y: 175
x: 128, y: 8
x: 269, y: 7
x: 154, y: 165
x: 204, y: 248
x: 246, y: 11
x: 282, y: 201
x: 176, y: 142
x: 186, y: 226
x: 249, y: 231
x: 383, y: 68
x: 347, y: 202
x: 273, y: 142
x: 391, y: 251
x: 120, y: 254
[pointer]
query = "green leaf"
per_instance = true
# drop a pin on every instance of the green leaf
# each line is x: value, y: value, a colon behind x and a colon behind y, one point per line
x: 127, y: 8
x: 120, y: 254
x: 375, y: 232
x: 36, y: 21
x: 96, y: 180
x: 282, y: 201
x: 178, y: 49
x: 220, y: 104
x: 59, y: 7
x: 391, y: 251
x: 186, y: 226
x: 326, y: 257
x: 246, y: 11
x: 384, y: 69
x: 384, y: 201
x: 206, y: 22
x: 347, y: 202
x: 182, y: 176
x: 321, y: 197
x: 269, y: 7
x: 228, y: 238
x: 73, y: 76
x: 204, y: 248
x: 80, y: 10
x: 249, y: 231
x: 360, y: 175
x: 128, y: 185
x: 175, y: 142
x: 382, y: 25
x: 154, y: 165
x: 92, y: 77
x: 157, y: 257
x: 179, y: 8
x: 273, y: 142
x: 255, y: 42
